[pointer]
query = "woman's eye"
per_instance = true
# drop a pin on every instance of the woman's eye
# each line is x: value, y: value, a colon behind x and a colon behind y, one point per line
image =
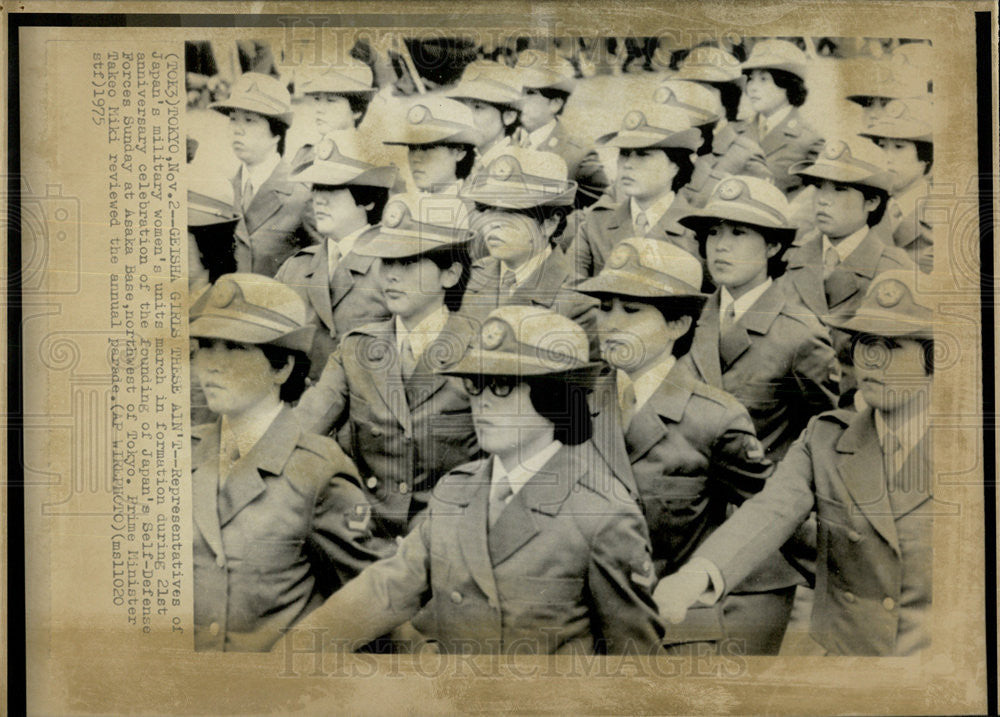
x: 631, y: 308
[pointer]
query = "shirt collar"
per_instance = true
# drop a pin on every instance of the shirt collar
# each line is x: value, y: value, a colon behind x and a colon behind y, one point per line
x: 528, y: 268
x: 538, y: 136
x: 259, y: 173
x: 422, y: 334
x: 524, y: 471
x: 846, y: 246
x: 655, y: 211
x: 742, y: 304
x: 646, y: 383
x: 247, y: 434
x: 911, y: 428
x: 777, y: 118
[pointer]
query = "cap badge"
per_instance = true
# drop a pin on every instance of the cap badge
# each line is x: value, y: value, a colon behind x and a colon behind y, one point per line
x: 418, y: 114
x: 835, y: 149
x: 393, y: 214
x: 895, y: 109
x: 223, y: 294
x: 503, y: 167
x: 493, y: 334
x: 889, y: 293
x: 663, y: 95
x: 634, y: 120
x: 619, y: 257
x: 731, y: 189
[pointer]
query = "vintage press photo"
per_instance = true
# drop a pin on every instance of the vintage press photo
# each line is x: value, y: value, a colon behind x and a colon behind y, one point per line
x: 541, y: 357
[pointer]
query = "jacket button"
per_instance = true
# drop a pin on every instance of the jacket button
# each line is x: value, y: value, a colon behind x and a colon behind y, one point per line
x: 403, y: 488
x: 849, y: 597
x: 372, y: 482
x: 854, y: 536
x: 376, y: 432
x: 214, y: 629
x: 888, y: 603
x: 456, y: 597
x: 220, y: 560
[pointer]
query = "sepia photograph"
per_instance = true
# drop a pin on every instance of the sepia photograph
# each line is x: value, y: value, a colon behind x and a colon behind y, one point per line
x: 541, y: 361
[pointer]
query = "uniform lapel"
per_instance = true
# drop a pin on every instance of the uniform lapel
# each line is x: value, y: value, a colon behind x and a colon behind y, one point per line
x: 545, y: 493
x: 704, y: 351
x: 205, y: 488
x: 804, y: 259
x: 386, y: 373
x: 346, y: 275
x: 268, y: 457
x: 484, y: 285
x: 787, y: 130
x: 474, y: 544
x: 844, y: 283
x: 542, y: 286
x: 446, y: 348
x: 757, y: 320
x: 669, y: 401
x: 607, y: 435
x: 269, y: 198
x: 862, y: 472
x: 319, y: 286
x: 915, y: 477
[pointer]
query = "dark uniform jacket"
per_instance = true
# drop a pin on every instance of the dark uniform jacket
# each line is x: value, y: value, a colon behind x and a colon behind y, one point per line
x: 791, y: 141
x: 353, y: 298
x: 564, y: 569
x: 548, y: 287
x: 275, y: 225
x: 873, y: 581
x: 289, y: 526
x: 733, y: 152
x: 600, y: 228
x: 403, y: 435
x: 777, y: 361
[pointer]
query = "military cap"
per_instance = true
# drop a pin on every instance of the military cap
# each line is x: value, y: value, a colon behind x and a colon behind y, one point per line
x: 354, y: 78
x: 540, y: 70
x: 429, y: 119
x: 892, y: 307
x: 488, y: 82
x: 253, y: 309
x: 776, y: 55
x: 210, y: 201
x: 644, y: 268
x: 335, y: 168
x: 903, y: 119
x: 851, y: 160
x: 655, y: 124
x: 527, y: 341
x: 263, y: 94
x: 745, y: 200
x: 702, y: 104
x: 709, y: 64
x: 520, y: 178
x: 417, y: 223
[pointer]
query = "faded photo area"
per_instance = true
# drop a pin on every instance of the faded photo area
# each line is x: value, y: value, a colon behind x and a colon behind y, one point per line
x: 562, y: 345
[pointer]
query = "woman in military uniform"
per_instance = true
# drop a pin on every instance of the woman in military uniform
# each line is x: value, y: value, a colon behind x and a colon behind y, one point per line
x: 534, y: 549
x: 280, y: 520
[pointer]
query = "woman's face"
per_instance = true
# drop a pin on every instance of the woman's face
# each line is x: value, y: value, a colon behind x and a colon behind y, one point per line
x: 645, y: 174
x: 235, y: 376
x: 737, y: 256
x: 634, y: 335
x: 764, y: 96
x: 434, y: 165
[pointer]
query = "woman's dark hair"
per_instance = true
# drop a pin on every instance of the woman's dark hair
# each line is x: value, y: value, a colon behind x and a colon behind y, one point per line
x: 685, y: 167
x: 876, y: 214
x: 364, y: 194
x: 730, y: 94
x: 675, y: 308
x: 775, y: 264
x: 793, y: 85
x: 278, y: 129
x: 707, y: 138
x: 359, y: 102
x: 444, y: 258
x: 509, y: 129
x: 565, y: 404
x: 464, y: 166
x: 925, y: 153
x: 551, y: 93
x: 217, y: 246
x: 540, y: 215
x: 278, y: 356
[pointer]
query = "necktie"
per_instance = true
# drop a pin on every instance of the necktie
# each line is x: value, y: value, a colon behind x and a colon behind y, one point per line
x: 229, y: 454
x: 507, y: 283
x: 891, y: 450
x: 761, y: 126
x: 831, y: 260
x: 408, y: 362
x: 333, y: 259
x: 247, y: 195
x: 728, y: 319
x: 626, y: 399
x: 641, y: 224
x: 500, y: 491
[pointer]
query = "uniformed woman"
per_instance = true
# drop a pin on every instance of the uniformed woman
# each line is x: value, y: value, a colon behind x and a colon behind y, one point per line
x: 281, y: 522
x: 535, y: 549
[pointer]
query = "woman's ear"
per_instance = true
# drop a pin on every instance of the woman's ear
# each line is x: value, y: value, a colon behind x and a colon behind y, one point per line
x: 451, y: 275
x: 281, y: 375
x: 678, y: 327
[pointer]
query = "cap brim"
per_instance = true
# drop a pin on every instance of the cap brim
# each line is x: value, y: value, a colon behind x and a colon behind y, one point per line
x: 841, y: 173
x: 790, y: 67
x: 689, y: 139
x: 484, y: 92
x: 386, y: 245
x: 701, y: 221
x: 420, y: 134
x: 333, y: 89
x: 319, y: 173
x: 499, y: 194
x: 478, y: 362
x: 213, y: 327
x: 880, y: 323
x: 250, y: 106
x: 620, y: 283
